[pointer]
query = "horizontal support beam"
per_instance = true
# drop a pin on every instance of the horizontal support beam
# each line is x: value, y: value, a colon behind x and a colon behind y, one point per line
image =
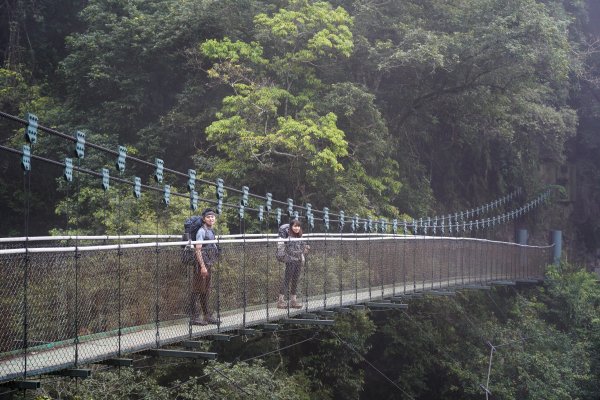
x: 249, y: 332
x: 299, y: 321
x: 181, y: 354
x: 118, y: 362
x: 503, y: 283
x: 357, y: 306
x: 326, y: 313
x: 220, y: 337
x: 528, y: 282
x: 73, y: 373
x: 414, y: 294
x: 387, y: 305
x: 476, y: 287
x: 271, y: 327
x: 442, y: 293
x: 308, y: 316
x: 343, y: 310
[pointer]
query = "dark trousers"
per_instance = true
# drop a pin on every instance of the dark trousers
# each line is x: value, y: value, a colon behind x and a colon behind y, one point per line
x: 291, y: 277
x: 200, y: 291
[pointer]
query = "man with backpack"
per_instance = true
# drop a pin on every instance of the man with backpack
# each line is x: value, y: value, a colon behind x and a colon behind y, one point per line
x: 206, y: 256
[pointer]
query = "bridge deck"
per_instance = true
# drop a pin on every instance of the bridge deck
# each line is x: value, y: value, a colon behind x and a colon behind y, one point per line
x: 52, y: 357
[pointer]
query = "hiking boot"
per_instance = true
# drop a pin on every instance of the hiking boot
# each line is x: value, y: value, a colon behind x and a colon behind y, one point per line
x: 281, y: 304
x: 295, y: 304
x: 198, y: 321
x: 211, y: 320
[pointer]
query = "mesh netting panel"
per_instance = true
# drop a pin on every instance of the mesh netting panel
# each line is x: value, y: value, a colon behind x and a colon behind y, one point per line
x: 51, y: 306
x: 109, y: 302
x: 98, y: 306
x: 12, y: 269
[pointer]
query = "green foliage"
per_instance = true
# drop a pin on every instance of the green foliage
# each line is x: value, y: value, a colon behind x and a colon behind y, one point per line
x: 242, y: 381
x: 332, y: 367
x: 274, y: 127
x: 473, y: 92
x: 545, y: 343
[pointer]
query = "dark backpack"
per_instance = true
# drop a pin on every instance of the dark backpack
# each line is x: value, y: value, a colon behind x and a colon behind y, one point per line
x: 283, y: 233
x: 191, y: 227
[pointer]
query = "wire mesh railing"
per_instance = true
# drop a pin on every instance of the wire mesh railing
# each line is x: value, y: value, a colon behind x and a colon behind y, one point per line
x: 65, y: 306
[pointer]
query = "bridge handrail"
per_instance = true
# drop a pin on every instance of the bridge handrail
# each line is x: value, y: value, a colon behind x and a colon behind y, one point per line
x: 176, y: 237
x: 246, y: 241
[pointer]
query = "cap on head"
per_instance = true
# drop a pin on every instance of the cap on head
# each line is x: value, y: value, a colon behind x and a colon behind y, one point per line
x: 208, y: 211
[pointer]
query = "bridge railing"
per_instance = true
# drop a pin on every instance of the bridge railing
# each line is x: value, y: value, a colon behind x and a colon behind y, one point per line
x: 65, y: 306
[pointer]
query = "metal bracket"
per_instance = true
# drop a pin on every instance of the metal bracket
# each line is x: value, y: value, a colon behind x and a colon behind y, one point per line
x: 158, y: 172
x: 167, y: 195
x: 269, y: 202
x: 137, y: 187
x: 80, y: 145
x: 68, y: 173
x: 31, y: 131
x: 245, y: 194
x: 194, y: 200
x: 191, y: 180
x: 121, y: 159
x: 105, y: 179
x: 26, y: 159
x: 220, y: 191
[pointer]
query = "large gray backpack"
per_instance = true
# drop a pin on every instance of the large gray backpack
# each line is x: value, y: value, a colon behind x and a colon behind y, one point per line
x: 284, y: 233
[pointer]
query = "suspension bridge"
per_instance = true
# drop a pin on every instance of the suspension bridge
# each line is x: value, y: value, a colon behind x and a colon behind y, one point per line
x: 69, y: 301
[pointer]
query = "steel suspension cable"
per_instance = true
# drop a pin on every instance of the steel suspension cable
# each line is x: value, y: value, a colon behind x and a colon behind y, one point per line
x: 349, y: 346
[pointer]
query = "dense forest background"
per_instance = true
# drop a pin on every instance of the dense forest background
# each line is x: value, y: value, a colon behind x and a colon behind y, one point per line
x: 385, y: 109
x: 394, y: 109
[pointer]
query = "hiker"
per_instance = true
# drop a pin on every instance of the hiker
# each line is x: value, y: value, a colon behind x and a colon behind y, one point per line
x: 206, y: 256
x: 293, y: 255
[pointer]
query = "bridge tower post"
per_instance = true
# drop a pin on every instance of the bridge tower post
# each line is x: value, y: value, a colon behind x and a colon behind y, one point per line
x: 522, y: 236
x: 556, y: 240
